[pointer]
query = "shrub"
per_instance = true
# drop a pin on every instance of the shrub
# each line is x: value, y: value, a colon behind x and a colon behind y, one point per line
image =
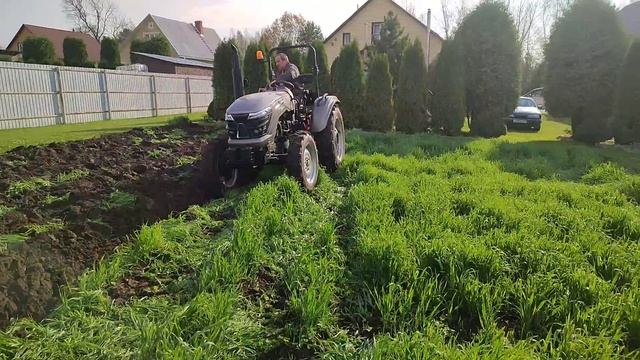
x: 324, y: 78
x: 349, y: 85
x: 626, y: 127
x: 222, y: 80
x: 75, y: 53
x: 584, y: 55
x: 411, y: 103
x: 37, y: 50
x: 379, y: 110
x: 109, y: 54
x: 158, y: 46
x: 491, y: 60
x: 448, y: 88
x: 180, y: 121
x: 255, y: 73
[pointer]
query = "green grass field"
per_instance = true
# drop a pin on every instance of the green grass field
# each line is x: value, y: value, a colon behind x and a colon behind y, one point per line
x: 10, y: 139
x: 420, y: 247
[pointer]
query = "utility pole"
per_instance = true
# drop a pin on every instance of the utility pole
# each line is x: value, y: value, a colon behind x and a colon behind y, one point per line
x: 428, y: 38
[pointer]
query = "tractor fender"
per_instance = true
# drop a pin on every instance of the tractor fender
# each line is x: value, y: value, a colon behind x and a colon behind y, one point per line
x: 322, y: 109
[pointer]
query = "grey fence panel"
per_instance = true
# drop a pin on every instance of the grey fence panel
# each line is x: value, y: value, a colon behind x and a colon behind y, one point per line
x: 42, y: 95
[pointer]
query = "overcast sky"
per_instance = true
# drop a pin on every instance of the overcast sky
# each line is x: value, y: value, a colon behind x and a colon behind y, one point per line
x: 221, y: 15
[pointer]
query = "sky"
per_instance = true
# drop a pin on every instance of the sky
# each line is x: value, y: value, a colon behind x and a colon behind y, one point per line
x: 221, y: 15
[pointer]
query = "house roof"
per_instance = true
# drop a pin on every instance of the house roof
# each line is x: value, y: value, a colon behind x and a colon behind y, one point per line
x: 400, y: 8
x: 185, y: 39
x: 630, y: 18
x: 57, y: 37
x: 177, y: 61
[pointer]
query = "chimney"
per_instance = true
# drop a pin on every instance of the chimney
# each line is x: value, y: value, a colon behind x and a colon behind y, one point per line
x: 199, y: 26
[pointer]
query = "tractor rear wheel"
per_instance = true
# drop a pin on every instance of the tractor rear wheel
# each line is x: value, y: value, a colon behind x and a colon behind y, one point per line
x: 331, y: 141
x: 303, y: 162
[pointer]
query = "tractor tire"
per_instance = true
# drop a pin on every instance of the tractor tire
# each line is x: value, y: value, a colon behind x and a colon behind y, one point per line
x: 217, y: 179
x: 331, y: 141
x: 303, y: 162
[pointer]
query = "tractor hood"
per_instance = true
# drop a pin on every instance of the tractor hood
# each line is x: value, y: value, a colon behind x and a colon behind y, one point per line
x: 260, y: 101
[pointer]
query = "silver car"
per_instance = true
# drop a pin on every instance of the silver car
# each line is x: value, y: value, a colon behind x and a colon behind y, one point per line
x: 526, y: 115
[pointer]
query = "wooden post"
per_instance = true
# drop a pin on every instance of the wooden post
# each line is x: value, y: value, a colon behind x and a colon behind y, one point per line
x: 106, y: 91
x: 58, y: 75
x: 156, y: 109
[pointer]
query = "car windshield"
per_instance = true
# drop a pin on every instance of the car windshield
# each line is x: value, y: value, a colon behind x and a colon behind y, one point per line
x: 526, y: 103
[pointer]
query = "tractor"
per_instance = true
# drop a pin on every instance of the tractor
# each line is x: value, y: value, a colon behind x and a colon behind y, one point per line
x: 289, y: 123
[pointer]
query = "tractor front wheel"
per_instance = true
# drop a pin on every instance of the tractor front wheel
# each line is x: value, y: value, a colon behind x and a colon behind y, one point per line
x: 302, y: 161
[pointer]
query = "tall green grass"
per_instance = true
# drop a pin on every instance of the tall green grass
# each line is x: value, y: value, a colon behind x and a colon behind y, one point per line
x: 421, y: 247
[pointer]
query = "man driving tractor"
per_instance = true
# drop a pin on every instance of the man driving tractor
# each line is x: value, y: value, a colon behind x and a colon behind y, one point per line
x: 286, y: 71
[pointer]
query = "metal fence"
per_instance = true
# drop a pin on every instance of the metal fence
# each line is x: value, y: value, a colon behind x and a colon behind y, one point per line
x: 42, y: 95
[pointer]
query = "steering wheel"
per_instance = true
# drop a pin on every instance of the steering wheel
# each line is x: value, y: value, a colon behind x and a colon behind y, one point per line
x: 286, y: 84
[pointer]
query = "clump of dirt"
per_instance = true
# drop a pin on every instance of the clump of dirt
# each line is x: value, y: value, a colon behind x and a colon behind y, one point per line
x: 95, y: 193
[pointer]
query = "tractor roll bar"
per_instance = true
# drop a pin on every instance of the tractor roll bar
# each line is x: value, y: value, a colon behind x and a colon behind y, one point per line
x: 316, y: 69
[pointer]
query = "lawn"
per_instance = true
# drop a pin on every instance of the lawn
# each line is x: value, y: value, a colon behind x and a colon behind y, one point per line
x: 13, y: 138
x: 420, y: 247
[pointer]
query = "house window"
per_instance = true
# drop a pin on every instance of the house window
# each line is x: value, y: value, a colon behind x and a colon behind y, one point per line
x: 149, y: 36
x: 20, y: 47
x: 150, y: 25
x: 346, y: 38
x: 376, y: 30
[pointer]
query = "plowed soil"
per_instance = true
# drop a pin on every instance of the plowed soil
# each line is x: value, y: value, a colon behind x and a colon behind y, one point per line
x: 156, y: 171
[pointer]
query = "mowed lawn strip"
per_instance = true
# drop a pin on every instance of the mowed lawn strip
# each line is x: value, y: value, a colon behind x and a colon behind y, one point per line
x: 10, y: 139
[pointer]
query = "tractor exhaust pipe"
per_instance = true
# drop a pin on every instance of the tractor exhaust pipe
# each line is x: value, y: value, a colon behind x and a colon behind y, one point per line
x: 236, y: 72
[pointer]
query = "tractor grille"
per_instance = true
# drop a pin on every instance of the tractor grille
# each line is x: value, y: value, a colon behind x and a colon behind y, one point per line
x: 243, y: 128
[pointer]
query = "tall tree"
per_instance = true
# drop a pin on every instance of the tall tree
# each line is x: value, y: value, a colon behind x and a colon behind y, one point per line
x: 324, y: 78
x: 379, y: 111
x: 38, y: 51
x: 411, y: 101
x: 310, y: 33
x: 75, y: 53
x: 255, y: 72
x: 287, y: 28
x: 393, y: 42
x: 448, y: 87
x: 626, y: 125
x: 95, y: 17
x: 349, y: 84
x: 453, y: 12
x: 109, y: 54
x: 222, y: 79
x: 158, y: 46
x: 491, y: 60
x: 584, y: 55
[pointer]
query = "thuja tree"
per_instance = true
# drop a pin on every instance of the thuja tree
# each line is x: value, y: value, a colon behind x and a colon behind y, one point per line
x: 448, y: 87
x: 378, y: 106
x: 626, y: 124
x: 349, y: 85
x: 411, y: 103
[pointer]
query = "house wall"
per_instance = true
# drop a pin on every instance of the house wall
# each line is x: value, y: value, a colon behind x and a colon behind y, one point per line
x: 361, y: 25
x: 155, y: 65
x: 193, y: 70
x: 143, y: 31
x: 20, y: 38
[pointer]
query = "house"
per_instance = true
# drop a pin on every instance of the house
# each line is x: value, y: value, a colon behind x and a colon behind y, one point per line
x: 365, y: 24
x: 188, y: 41
x: 57, y: 37
x: 630, y: 18
x: 172, y: 65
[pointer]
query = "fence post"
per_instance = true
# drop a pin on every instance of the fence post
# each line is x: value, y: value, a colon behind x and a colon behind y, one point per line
x: 156, y: 108
x: 106, y: 91
x: 188, y: 85
x: 58, y: 75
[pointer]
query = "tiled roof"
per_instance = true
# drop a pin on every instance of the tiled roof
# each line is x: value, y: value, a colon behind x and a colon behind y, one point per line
x: 185, y: 39
x: 178, y: 61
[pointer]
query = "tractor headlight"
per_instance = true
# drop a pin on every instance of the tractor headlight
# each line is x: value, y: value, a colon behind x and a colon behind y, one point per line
x: 260, y: 115
x: 228, y: 117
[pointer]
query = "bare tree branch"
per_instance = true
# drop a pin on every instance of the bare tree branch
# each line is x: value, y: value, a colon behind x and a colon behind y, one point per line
x: 95, y: 17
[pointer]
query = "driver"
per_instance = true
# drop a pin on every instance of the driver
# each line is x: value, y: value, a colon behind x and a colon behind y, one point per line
x: 286, y: 71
